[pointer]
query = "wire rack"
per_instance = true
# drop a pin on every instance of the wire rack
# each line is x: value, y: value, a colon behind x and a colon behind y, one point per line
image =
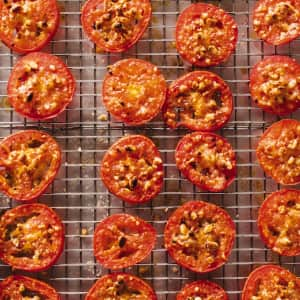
x: 79, y: 196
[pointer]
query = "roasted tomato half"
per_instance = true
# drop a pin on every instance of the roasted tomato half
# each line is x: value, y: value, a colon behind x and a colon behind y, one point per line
x: 199, y: 100
x: 115, y: 25
x: 207, y: 160
x: 40, y: 86
x: 29, y: 162
x: 275, y: 84
x: 123, y: 240
x: 134, y: 91
x: 205, y: 35
x: 20, y: 287
x: 277, y: 22
x: 199, y: 236
x: 132, y: 169
x: 26, y: 25
x: 202, y: 289
x: 270, y: 282
x: 279, y: 222
x: 119, y: 286
x: 278, y: 151
x: 31, y: 237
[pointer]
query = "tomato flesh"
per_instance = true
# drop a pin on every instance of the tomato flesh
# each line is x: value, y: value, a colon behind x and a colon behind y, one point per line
x: 31, y: 237
x: 199, y: 236
x: 27, y: 26
x: 132, y: 169
x: 205, y: 35
x: 277, y: 21
x: 202, y: 289
x: 199, y: 100
x: 20, y: 287
x: 134, y: 91
x: 123, y: 240
x: 275, y: 84
x: 271, y: 282
x: 115, y: 26
x: 121, y: 286
x: 279, y: 222
x: 29, y: 162
x: 40, y: 86
x: 207, y: 160
x: 278, y: 151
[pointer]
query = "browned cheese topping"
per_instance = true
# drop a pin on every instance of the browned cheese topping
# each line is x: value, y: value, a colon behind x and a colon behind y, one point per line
x: 282, y: 155
x: 30, y: 237
x: 283, y: 16
x: 131, y: 171
x: 118, y: 22
x: 197, y: 99
x: 274, y: 288
x: 28, y: 165
x: 204, y: 32
x: 120, y: 290
x: 288, y: 230
x: 200, y: 237
x: 22, y: 27
x: 39, y: 84
x: 278, y: 89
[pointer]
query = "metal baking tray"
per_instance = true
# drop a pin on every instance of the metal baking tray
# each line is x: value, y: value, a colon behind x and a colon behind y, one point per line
x: 81, y: 199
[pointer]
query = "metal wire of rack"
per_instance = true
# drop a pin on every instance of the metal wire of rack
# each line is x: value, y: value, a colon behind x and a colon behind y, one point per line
x: 79, y: 196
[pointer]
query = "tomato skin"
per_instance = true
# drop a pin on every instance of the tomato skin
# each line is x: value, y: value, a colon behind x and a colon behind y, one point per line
x: 266, y: 272
x: 118, y: 228
x: 202, y: 289
x: 194, y: 123
x: 291, y: 70
x: 25, y: 192
x: 127, y: 88
x: 24, y: 46
x: 44, y: 62
x: 181, y: 254
x: 270, y: 33
x: 39, y: 216
x: 283, y: 131
x: 276, y: 211
x: 184, y: 152
x: 137, y: 188
x: 186, y: 19
x: 131, y: 281
x: 10, y: 287
x: 106, y: 6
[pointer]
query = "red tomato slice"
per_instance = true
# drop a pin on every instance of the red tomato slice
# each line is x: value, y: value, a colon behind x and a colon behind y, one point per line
x: 202, y: 289
x: 26, y: 25
x: 270, y: 282
x: 279, y: 222
x: 199, y: 236
x: 123, y: 240
x: 29, y: 161
x: 278, y: 151
x: 134, y: 91
x: 115, y: 26
x: 132, y: 169
x: 121, y: 286
x: 207, y: 160
x: 205, y: 35
x: 20, y: 287
x: 275, y: 84
x: 199, y: 100
x: 277, y: 22
x: 40, y: 86
x: 31, y: 237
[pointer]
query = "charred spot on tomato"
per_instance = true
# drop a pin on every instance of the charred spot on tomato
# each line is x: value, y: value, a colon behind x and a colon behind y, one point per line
x: 122, y: 242
x: 29, y: 97
x: 123, y: 289
x: 32, y: 294
x: 35, y: 144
